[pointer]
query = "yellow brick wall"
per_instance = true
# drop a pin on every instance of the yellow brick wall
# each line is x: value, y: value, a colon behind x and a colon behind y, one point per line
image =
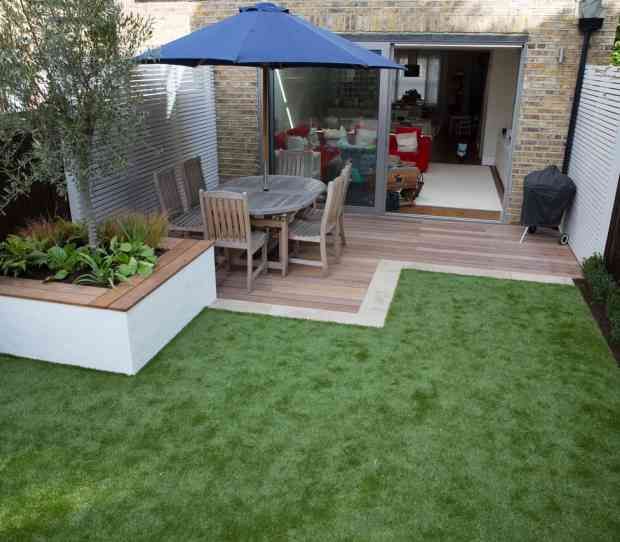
x: 547, y: 86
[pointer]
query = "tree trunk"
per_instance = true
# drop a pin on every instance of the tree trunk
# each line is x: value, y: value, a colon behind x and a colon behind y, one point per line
x: 88, y: 215
x: 82, y: 186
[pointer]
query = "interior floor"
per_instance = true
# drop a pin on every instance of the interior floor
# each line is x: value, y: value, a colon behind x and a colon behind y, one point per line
x: 459, y: 191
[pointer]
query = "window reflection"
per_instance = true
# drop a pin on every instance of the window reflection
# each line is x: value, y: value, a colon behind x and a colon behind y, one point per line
x: 323, y: 118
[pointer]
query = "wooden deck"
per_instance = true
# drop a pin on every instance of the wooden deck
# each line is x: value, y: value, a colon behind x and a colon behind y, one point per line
x: 492, y: 247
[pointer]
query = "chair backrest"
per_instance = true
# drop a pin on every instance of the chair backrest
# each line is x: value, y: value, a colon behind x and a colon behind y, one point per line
x: 194, y: 181
x: 226, y: 216
x: 168, y: 191
x: 332, y: 210
x: 298, y: 163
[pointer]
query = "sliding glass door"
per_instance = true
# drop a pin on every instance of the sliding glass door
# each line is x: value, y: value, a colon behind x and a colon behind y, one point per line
x: 332, y: 116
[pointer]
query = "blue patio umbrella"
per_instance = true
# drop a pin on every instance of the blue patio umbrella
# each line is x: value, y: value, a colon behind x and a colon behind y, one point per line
x: 266, y: 36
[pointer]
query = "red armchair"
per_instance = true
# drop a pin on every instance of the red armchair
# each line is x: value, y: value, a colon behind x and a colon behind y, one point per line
x: 421, y: 157
x: 280, y: 138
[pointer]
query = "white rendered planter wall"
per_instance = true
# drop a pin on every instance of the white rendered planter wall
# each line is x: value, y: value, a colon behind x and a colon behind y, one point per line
x: 106, y: 339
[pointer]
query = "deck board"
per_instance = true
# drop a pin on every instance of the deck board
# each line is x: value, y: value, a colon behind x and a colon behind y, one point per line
x: 476, y: 245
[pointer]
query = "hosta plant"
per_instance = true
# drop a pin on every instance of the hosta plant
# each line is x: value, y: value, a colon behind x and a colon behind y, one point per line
x: 20, y: 254
x: 132, y: 258
x: 100, y: 269
x: 64, y: 261
x: 118, y: 263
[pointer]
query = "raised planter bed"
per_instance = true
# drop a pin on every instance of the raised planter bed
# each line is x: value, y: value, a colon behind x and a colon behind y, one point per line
x: 118, y: 330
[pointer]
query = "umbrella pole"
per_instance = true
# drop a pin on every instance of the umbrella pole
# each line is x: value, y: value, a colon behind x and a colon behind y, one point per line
x: 265, y: 127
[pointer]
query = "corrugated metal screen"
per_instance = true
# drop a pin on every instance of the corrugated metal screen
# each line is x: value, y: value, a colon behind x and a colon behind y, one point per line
x: 180, y: 107
x: 595, y: 161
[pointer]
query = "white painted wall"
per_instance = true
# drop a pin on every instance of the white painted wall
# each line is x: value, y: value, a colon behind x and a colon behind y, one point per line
x: 59, y: 333
x: 595, y: 161
x: 157, y: 319
x: 500, y: 93
x: 107, y: 340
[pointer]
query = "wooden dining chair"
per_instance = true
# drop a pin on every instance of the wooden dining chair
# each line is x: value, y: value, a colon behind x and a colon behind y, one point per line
x: 181, y: 220
x: 168, y: 192
x: 306, y: 231
x: 226, y: 220
x: 193, y: 181
x: 298, y: 163
x: 316, y: 215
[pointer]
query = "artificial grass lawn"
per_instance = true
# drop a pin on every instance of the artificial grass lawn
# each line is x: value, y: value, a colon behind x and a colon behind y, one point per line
x: 484, y: 410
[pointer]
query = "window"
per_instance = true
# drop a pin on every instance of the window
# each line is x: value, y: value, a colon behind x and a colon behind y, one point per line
x: 422, y: 76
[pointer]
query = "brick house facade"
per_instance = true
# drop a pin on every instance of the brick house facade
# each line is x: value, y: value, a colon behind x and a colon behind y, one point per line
x: 548, y: 86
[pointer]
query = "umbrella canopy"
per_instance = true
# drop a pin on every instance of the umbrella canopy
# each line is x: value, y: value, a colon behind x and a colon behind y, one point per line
x: 266, y: 36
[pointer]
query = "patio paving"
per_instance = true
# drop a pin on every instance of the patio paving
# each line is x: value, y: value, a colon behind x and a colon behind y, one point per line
x: 359, y: 289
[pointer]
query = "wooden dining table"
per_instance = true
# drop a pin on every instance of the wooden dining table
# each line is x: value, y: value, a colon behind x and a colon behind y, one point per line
x: 276, y: 207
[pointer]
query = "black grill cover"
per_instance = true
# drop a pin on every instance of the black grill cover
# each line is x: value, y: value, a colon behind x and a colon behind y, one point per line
x: 546, y: 195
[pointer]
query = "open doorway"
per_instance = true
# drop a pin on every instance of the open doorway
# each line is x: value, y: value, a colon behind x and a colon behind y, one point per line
x: 451, y: 119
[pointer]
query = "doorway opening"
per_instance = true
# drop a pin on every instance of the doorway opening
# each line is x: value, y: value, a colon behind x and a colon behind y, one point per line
x: 451, y: 120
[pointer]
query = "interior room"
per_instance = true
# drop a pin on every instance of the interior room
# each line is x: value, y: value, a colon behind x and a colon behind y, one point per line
x: 459, y: 105
x: 449, y: 129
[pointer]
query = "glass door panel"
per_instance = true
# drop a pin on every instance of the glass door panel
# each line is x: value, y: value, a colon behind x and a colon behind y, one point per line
x: 332, y: 115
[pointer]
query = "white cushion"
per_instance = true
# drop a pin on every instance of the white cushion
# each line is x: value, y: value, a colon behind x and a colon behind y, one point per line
x: 407, y: 142
x: 332, y: 134
x: 365, y: 137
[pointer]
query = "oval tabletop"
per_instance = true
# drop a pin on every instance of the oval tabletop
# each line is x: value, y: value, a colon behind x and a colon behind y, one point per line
x: 286, y: 193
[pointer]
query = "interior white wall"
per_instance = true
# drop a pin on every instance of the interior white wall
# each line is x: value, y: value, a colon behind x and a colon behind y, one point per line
x: 499, y: 99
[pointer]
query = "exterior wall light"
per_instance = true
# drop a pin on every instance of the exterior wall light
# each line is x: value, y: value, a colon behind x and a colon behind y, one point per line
x: 590, y: 9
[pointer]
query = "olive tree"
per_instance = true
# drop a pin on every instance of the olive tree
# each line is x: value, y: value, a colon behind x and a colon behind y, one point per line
x: 615, y: 55
x: 66, y: 105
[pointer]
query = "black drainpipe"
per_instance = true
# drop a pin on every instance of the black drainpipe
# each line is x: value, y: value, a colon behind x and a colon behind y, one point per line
x: 587, y: 26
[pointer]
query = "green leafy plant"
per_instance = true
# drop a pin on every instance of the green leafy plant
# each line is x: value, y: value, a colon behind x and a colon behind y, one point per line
x: 149, y: 229
x: 132, y: 258
x: 597, y: 276
x: 56, y: 231
x: 613, y: 313
x: 615, y: 55
x: 64, y: 261
x: 118, y: 263
x: 20, y: 254
x: 101, y: 270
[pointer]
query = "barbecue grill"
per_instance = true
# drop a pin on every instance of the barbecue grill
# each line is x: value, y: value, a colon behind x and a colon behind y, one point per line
x: 547, y: 196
